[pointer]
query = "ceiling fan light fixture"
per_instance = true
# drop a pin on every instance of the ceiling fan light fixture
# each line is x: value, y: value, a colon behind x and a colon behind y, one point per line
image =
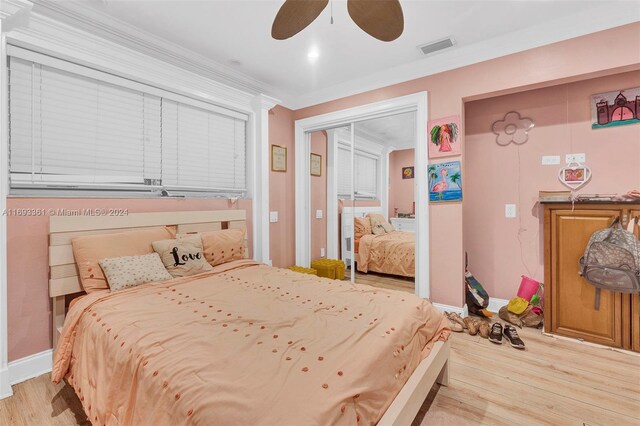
x: 381, y: 19
x: 313, y: 54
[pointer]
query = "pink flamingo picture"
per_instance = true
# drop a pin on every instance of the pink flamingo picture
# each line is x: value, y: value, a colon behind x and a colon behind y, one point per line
x: 442, y: 185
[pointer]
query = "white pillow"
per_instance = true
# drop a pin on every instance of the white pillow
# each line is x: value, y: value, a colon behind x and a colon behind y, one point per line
x: 130, y: 271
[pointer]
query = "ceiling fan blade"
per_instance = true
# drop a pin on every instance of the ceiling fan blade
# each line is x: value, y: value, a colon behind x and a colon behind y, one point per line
x: 381, y: 19
x: 294, y: 16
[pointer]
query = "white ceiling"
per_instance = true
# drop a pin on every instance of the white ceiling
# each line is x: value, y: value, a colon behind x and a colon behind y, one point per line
x: 236, y: 34
x: 397, y: 131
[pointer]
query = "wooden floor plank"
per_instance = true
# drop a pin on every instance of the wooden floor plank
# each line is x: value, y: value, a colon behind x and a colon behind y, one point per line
x: 391, y: 282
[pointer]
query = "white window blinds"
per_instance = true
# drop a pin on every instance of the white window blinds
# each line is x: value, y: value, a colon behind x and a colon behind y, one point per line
x: 366, y: 173
x: 345, y: 174
x: 201, y: 149
x: 73, y: 130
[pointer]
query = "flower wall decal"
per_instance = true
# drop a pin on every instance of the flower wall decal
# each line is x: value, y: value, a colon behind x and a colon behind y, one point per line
x: 512, y: 128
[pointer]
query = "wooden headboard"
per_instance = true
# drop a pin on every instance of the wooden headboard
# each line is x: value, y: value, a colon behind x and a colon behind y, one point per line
x: 63, y: 273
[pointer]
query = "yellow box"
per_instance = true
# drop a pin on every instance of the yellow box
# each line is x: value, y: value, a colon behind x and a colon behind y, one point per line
x: 325, y: 268
x: 340, y: 267
x: 329, y: 268
x: 303, y: 270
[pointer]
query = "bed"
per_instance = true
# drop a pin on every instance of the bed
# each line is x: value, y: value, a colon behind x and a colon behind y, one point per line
x: 244, y: 343
x: 391, y: 253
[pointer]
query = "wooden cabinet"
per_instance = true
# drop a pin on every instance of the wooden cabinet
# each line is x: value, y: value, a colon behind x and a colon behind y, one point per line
x: 569, y: 299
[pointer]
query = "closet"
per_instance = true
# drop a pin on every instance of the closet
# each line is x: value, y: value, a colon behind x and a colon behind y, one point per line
x: 569, y: 299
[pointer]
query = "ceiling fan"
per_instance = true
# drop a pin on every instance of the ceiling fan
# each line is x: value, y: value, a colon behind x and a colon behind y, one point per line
x: 381, y: 19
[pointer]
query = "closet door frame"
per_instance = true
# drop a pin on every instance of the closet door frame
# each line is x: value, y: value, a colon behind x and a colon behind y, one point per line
x: 417, y: 102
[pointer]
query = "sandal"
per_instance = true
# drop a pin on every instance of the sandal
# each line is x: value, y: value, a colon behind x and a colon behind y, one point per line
x: 454, y: 326
x: 456, y: 318
x: 484, y: 329
x: 472, y: 325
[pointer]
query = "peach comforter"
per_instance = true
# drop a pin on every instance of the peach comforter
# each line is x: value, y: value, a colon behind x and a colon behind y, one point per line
x: 246, y: 344
x: 392, y: 253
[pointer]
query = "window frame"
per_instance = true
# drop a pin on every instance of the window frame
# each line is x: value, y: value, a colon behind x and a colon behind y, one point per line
x: 366, y: 153
x: 115, y: 190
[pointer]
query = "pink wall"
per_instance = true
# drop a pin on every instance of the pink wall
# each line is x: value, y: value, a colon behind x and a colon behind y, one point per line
x: 584, y: 57
x: 319, y: 197
x: 401, y: 191
x: 29, y: 305
x: 571, y: 60
x: 282, y: 191
x: 501, y: 250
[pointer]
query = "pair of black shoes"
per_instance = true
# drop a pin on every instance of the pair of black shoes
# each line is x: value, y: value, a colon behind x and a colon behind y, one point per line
x: 508, y: 331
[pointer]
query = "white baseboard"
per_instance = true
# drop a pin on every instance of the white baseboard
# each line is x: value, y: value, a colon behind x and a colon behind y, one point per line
x: 495, y: 304
x: 448, y: 308
x: 5, y: 386
x: 29, y: 367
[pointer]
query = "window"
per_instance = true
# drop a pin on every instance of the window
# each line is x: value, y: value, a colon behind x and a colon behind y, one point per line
x: 366, y: 174
x: 72, y: 127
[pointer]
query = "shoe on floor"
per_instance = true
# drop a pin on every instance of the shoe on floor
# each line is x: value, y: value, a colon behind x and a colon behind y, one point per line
x: 484, y: 329
x: 454, y: 326
x: 511, y: 334
x: 495, y: 335
x: 455, y: 318
x: 472, y: 325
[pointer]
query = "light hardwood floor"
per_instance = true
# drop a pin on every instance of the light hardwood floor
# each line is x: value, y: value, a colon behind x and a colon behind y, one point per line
x: 392, y: 282
x: 552, y: 382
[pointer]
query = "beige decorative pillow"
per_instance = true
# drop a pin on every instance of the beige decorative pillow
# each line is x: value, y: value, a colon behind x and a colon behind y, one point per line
x: 223, y: 246
x: 130, y: 271
x: 379, y: 226
x: 89, y: 249
x: 183, y: 256
x: 361, y: 226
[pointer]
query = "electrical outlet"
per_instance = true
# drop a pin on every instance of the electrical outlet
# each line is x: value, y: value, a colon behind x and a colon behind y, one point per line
x: 273, y: 217
x: 318, y: 214
x: 576, y: 158
x: 550, y: 160
x: 510, y: 211
x: 322, y: 252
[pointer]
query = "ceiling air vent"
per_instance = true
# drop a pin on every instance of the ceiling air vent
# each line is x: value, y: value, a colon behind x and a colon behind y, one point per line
x: 436, y: 46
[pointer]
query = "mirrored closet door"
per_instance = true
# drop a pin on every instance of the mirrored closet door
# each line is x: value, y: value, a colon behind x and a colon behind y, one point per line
x: 362, y: 200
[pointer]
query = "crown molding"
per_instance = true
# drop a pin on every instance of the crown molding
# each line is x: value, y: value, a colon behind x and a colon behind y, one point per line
x: 49, y: 36
x: 583, y: 22
x: 263, y: 101
x: 84, y: 17
x: 9, y: 8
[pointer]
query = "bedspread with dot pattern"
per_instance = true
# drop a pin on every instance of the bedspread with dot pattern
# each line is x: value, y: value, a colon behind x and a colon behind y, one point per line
x: 245, y: 344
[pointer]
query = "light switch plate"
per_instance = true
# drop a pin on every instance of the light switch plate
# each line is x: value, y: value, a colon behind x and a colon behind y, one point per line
x: 322, y: 252
x: 318, y: 214
x: 550, y: 160
x: 576, y: 158
x: 510, y: 211
x: 273, y: 217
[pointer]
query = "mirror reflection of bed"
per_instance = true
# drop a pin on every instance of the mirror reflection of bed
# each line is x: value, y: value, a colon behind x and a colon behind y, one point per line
x: 367, y: 176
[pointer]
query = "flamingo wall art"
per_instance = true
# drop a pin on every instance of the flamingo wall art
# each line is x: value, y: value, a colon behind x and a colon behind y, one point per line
x: 445, y: 181
x: 444, y: 137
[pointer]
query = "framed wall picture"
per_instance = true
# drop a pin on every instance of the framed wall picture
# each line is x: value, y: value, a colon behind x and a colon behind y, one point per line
x: 316, y: 165
x: 278, y: 158
x: 407, y: 173
x: 445, y: 181
x: 615, y: 108
x: 444, y: 137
